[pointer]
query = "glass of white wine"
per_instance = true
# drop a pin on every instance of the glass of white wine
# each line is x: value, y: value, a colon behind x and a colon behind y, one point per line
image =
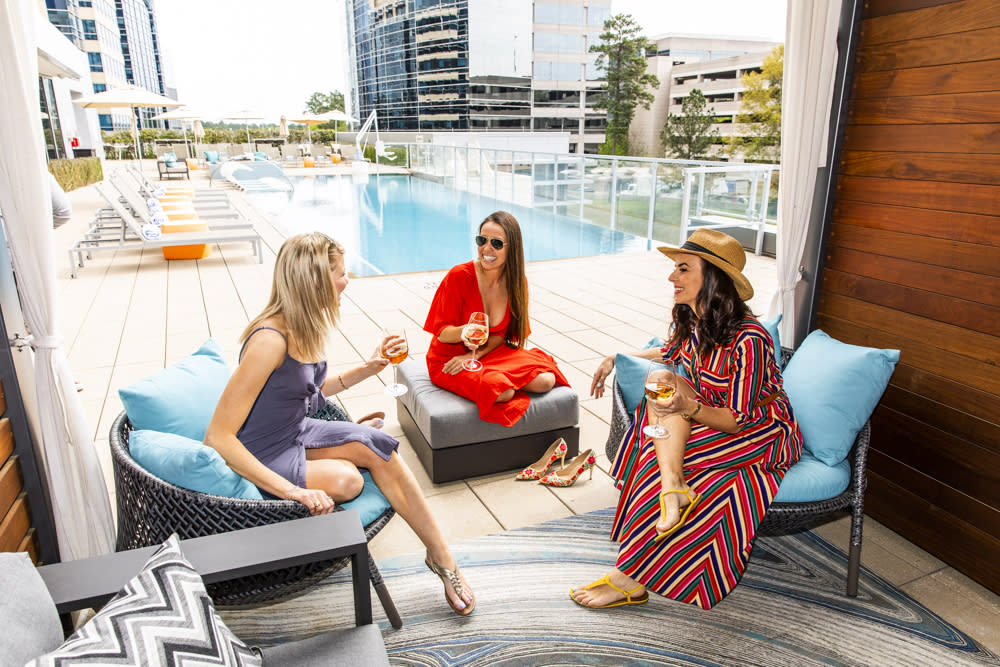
x: 476, y: 333
x: 395, y: 349
x: 661, y: 383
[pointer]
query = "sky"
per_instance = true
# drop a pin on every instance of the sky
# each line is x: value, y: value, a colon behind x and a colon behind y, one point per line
x: 225, y: 56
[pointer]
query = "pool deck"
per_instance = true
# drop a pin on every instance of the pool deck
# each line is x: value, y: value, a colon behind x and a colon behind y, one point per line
x: 130, y: 313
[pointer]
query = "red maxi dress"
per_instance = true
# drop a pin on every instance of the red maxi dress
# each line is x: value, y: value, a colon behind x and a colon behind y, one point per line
x: 504, y: 368
x: 736, y: 474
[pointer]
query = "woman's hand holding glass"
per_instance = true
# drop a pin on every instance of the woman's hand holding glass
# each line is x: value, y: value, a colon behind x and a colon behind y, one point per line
x: 474, y: 335
x: 661, y: 388
x: 395, y: 349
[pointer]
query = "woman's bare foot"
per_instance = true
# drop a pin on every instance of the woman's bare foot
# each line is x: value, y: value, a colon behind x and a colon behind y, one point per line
x: 614, y: 587
x: 456, y: 589
x: 673, y: 500
x: 375, y: 420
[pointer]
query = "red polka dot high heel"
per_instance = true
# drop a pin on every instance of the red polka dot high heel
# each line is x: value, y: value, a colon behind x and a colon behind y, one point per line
x: 568, y: 475
x: 539, y: 468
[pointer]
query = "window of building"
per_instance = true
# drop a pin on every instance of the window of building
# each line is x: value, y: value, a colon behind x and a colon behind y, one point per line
x: 89, y: 29
x: 593, y: 72
x: 51, y: 127
x: 595, y: 123
x: 557, y: 124
x: 100, y: 87
x: 569, y: 99
x: 597, y: 15
x: 549, y: 71
x: 95, y: 61
x: 545, y: 13
x: 551, y: 42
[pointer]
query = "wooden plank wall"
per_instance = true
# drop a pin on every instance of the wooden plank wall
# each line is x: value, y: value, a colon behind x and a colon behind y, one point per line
x: 16, y: 531
x: 913, y: 263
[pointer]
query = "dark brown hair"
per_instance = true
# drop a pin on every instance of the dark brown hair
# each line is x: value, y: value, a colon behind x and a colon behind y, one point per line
x: 722, y: 311
x: 514, y: 278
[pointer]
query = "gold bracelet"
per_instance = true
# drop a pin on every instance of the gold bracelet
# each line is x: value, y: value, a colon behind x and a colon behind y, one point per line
x: 693, y: 414
x: 342, y: 383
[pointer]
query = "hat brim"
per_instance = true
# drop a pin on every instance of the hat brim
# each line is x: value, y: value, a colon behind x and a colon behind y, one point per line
x: 743, y: 287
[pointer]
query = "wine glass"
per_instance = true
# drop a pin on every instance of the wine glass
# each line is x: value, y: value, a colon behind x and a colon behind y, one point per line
x: 395, y: 350
x: 476, y: 333
x: 661, y: 383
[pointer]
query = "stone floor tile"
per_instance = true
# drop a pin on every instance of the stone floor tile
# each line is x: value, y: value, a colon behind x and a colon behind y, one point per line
x: 517, y: 504
x: 964, y: 603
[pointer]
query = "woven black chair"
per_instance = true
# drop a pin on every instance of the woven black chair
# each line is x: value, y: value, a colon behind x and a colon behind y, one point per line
x: 151, y: 509
x: 785, y: 518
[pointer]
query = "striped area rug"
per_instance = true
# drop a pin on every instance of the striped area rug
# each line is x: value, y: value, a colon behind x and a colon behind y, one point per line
x: 789, y: 609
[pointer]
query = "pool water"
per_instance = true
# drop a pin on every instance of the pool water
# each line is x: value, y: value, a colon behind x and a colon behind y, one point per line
x: 400, y: 224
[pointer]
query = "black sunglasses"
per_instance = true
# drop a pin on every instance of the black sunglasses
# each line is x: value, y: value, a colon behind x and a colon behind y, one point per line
x: 497, y: 244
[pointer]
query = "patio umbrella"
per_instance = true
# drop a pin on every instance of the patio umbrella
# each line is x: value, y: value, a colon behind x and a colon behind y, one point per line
x: 182, y: 114
x: 127, y: 97
x: 199, y: 133
x: 283, y: 128
x: 337, y: 115
x: 309, y: 119
x: 245, y: 115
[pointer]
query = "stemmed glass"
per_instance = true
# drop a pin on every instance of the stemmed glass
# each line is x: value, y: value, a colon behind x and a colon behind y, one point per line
x: 476, y: 333
x: 395, y: 350
x: 661, y: 383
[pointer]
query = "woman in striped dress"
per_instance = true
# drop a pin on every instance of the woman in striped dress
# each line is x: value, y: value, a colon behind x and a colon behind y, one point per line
x: 691, y: 501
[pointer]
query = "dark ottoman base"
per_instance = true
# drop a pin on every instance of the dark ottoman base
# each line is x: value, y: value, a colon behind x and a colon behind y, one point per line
x: 452, y: 442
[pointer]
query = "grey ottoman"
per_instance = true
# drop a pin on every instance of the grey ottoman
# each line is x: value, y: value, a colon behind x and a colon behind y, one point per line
x: 453, y: 442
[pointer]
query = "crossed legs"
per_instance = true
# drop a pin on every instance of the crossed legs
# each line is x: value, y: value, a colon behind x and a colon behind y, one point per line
x: 539, y: 384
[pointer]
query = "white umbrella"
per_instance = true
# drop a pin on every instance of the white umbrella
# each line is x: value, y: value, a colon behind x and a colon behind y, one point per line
x: 127, y: 97
x: 283, y: 128
x: 199, y: 133
x: 309, y: 119
x: 245, y: 115
x: 337, y: 115
x: 182, y: 114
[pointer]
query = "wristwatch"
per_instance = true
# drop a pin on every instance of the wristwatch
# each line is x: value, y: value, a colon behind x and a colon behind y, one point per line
x: 691, y: 416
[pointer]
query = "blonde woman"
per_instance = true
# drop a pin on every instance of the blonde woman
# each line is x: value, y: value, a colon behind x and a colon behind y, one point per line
x: 260, y: 426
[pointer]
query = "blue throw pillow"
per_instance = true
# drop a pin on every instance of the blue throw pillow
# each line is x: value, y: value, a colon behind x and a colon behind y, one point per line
x: 170, y: 161
x: 211, y: 156
x: 188, y: 464
x: 370, y: 504
x: 810, y: 479
x: 834, y: 388
x: 772, y: 328
x: 630, y: 374
x: 179, y: 399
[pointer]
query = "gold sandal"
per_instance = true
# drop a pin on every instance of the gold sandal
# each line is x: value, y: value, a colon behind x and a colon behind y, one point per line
x: 685, y: 512
x: 453, y: 578
x: 606, y: 581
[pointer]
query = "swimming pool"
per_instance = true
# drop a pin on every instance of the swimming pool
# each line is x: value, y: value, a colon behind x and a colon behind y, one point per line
x: 400, y: 224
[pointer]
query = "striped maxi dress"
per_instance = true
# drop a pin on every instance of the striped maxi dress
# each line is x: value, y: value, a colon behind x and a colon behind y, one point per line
x: 737, y: 474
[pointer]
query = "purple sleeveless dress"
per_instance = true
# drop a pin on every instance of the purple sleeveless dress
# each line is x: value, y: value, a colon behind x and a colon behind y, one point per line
x: 277, y: 430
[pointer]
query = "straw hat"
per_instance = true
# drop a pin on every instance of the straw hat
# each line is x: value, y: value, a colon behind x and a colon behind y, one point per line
x: 719, y: 249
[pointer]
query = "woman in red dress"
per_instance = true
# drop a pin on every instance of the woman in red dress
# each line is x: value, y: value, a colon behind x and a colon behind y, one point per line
x: 495, y: 284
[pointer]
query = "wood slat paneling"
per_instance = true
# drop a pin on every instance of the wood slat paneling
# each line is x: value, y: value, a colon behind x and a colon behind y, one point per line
x: 939, y: 280
x: 914, y: 20
x: 964, y: 227
x: 970, y: 46
x: 6, y: 439
x: 11, y: 483
x: 15, y: 524
x: 913, y: 353
x: 970, y: 257
x: 961, y: 197
x: 948, y: 168
x: 951, y: 108
x: 964, y: 314
x: 910, y: 514
x: 3, y: 400
x: 941, y: 79
x: 30, y: 545
x: 971, y: 400
x: 940, y: 415
x: 946, y: 459
x: 973, y: 138
x: 945, y: 337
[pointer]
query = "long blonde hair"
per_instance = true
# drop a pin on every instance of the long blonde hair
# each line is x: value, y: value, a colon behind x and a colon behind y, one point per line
x: 302, y: 292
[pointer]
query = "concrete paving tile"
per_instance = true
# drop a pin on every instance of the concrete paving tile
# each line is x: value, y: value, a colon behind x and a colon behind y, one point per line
x: 587, y: 495
x: 964, y: 603
x: 517, y: 504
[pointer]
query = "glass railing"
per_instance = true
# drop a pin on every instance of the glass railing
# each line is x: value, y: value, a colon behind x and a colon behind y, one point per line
x: 656, y: 199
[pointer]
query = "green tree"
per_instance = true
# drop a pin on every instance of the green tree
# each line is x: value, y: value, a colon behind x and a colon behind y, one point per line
x: 689, y: 135
x: 323, y: 102
x: 760, y: 111
x: 622, y: 57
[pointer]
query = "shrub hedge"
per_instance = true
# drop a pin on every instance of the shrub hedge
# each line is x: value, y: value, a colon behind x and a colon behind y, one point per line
x: 77, y: 172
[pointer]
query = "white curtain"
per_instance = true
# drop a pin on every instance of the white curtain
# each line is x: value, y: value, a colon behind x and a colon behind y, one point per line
x: 78, y: 493
x: 806, y: 97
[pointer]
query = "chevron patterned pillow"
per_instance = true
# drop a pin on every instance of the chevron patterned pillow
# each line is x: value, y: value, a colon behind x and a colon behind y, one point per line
x: 162, y: 616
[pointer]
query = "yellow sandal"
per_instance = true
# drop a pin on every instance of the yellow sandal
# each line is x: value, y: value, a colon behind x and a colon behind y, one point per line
x: 685, y: 512
x: 606, y: 581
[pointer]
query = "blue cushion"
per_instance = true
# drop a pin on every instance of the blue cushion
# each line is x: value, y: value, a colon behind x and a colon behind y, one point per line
x: 810, y: 479
x: 170, y: 160
x: 260, y: 157
x: 211, y: 156
x: 189, y: 464
x: 772, y: 328
x: 179, y: 399
x: 834, y: 388
x: 630, y: 374
x: 370, y: 504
